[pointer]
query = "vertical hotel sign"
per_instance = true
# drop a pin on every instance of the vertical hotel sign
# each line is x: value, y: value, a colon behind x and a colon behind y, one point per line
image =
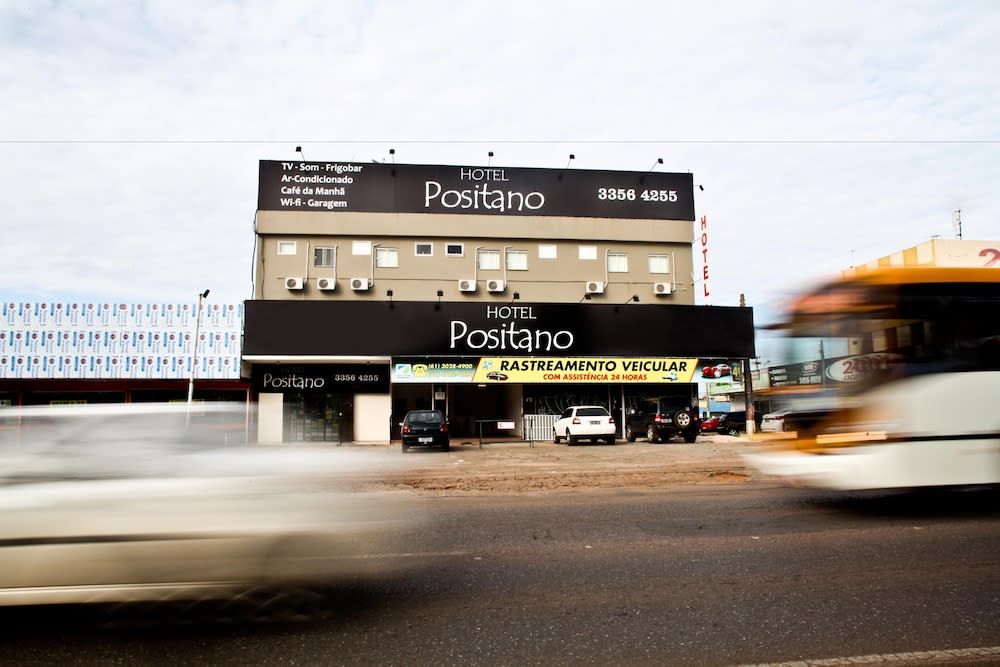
x: 704, y: 259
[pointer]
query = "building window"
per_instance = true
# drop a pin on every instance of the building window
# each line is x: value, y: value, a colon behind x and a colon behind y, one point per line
x: 546, y: 251
x: 361, y: 247
x: 489, y: 259
x: 286, y: 247
x: 387, y: 258
x: 454, y: 250
x: 617, y: 262
x: 423, y: 249
x: 517, y: 260
x: 325, y: 257
x: 588, y: 252
x: 659, y: 264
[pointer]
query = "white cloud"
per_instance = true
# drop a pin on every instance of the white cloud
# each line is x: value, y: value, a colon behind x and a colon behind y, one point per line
x: 820, y: 132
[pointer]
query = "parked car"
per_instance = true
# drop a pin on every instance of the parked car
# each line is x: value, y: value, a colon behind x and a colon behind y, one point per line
x: 584, y: 422
x: 734, y: 423
x: 709, y: 425
x: 717, y: 371
x: 425, y: 428
x: 661, y: 419
x: 774, y: 421
x: 801, y: 418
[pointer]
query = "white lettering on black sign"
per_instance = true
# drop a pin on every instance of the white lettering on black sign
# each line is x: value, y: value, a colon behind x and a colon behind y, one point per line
x: 508, y: 335
x: 482, y: 197
x: 292, y: 382
x: 469, y: 190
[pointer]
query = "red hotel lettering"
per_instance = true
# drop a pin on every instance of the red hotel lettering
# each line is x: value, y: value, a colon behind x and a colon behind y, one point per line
x: 704, y: 254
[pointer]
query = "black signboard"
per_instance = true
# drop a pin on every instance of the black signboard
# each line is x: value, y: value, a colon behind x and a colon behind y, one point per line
x: 390, y: 188
x: 809, y: 372
x: 352, y: 328
x: 331, y: 378
x: 834, y: 370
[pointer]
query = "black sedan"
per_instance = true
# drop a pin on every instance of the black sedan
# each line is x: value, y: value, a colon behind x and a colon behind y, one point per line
x: 426, y: 428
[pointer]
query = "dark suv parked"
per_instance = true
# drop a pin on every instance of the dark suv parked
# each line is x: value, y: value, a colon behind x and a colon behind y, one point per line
x: 662, y: 419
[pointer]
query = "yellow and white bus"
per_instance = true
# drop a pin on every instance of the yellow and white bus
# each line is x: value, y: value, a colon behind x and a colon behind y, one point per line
x: 921, y: 404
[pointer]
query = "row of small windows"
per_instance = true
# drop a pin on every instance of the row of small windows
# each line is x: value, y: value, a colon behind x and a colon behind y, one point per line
x: 487, y: 259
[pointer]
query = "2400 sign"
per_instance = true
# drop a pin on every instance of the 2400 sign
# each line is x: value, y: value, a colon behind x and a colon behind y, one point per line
x: 631, y: 194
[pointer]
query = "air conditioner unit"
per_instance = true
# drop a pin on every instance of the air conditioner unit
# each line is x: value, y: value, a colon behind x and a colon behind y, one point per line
x: 326, y: 284
x: 360, y: 284
x: 466, y: 285
x: 661, y: 289
x: 294, y: 283
x: 594, y: 287
x: 495, y: 285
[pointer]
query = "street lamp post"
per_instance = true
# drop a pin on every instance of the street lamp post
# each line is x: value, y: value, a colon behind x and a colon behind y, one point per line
x: 194, y: 349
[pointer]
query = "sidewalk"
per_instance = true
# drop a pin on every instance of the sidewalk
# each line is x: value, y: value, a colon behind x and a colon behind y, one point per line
x: 517, y: 466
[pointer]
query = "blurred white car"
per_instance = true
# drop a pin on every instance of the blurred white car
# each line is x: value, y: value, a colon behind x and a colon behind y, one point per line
x: 584, y: 422
x: 149, y: 502
x: 774, y: 422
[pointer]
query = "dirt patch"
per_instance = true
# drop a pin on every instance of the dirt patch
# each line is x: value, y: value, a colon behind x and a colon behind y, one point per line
x: 519, y: 467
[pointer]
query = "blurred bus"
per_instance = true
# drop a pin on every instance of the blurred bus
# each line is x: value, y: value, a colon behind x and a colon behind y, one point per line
x: 914, y: 401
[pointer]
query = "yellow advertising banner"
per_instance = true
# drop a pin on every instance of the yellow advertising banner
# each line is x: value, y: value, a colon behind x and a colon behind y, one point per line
x: 585, y: 369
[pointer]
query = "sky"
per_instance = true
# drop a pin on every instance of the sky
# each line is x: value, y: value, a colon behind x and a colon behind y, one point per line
x: 823, y: 134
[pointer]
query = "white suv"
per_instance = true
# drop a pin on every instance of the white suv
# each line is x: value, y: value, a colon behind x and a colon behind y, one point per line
x: 584, y: 422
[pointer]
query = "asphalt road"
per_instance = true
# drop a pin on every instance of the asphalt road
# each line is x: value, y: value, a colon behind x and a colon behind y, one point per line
x: 717, y: 575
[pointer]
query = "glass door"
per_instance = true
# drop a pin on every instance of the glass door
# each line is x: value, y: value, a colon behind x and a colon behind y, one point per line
x: 314, y: 417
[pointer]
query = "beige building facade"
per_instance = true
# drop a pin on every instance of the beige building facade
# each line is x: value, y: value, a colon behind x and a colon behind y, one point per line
x: 415, y: 255
x: 421, y: 278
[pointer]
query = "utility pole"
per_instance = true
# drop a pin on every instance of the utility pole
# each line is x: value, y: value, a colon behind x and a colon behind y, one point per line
x: 194, y: 352
x: 957, y: 223
x: 822, y: 364
x: 747, y: 384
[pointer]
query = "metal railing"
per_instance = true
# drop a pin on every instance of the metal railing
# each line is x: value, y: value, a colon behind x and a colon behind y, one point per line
x: 539, y: 427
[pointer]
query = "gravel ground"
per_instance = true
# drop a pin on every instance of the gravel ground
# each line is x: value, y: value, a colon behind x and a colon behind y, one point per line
x: 544, y: 467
